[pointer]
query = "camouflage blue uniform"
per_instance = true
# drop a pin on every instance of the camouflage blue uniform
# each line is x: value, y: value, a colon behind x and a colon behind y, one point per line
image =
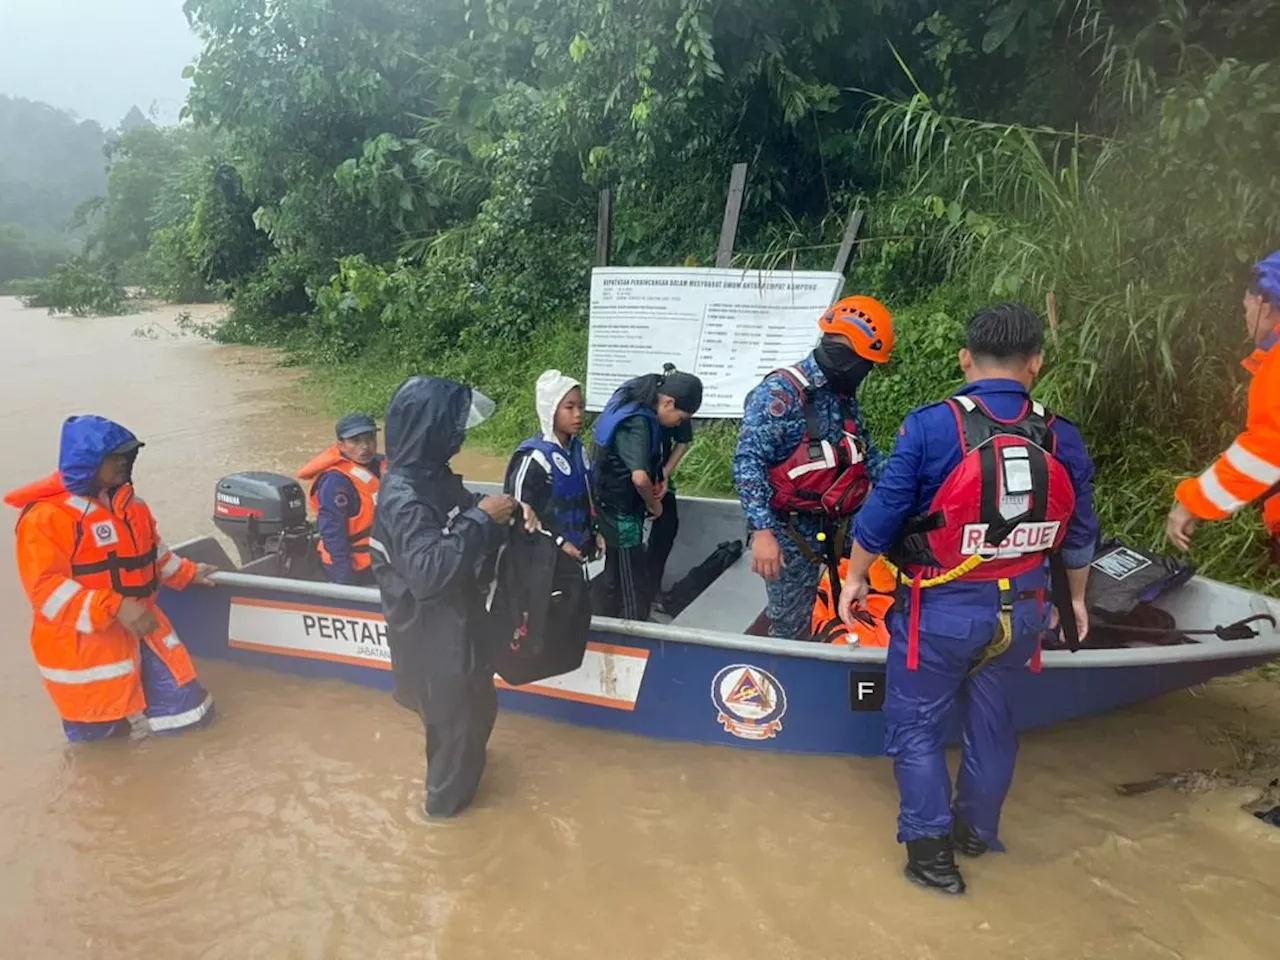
x: 773, y: 425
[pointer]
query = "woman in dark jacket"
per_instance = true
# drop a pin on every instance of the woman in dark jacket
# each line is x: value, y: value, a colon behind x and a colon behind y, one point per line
x: 430, y: 538
x: 628, y: 480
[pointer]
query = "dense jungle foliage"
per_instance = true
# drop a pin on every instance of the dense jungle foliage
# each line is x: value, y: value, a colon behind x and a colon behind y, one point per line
x: 390, y: 186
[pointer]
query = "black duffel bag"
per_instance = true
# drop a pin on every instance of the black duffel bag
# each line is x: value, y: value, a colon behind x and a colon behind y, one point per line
x: 537, y: 613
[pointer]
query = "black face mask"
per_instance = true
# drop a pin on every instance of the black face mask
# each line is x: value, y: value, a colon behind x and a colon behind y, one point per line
x: 844, y: 369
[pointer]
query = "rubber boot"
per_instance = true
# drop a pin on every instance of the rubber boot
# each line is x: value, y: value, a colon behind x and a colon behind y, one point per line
x: 966, y: 839
x: 931, y: 863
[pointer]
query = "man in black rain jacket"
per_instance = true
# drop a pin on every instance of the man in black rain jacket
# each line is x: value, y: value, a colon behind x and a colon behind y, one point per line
x: 430, y: 538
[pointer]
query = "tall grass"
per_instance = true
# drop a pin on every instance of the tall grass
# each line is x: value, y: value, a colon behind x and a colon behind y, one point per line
x: 1144, y: 238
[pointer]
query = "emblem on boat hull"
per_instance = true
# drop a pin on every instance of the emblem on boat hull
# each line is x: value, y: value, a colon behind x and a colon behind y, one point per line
x: 751, y: 701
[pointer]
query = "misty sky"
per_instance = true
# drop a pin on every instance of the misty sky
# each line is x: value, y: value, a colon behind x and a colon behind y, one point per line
x: 97, y: 57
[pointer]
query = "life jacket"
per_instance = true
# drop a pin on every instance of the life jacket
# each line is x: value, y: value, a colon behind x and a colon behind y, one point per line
x: 537, y: 611
x: 90, y: 663
x: 1000, y: 511
x: 569, y: 511
x: 610, y: 480
x: 819, y: 476
x: 868, y: 630
x: 359, y: 527
x: 1122, y: 578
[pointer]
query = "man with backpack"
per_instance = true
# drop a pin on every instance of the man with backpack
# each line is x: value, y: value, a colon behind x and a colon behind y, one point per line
x: 805, y: 462
x: 985, y: 510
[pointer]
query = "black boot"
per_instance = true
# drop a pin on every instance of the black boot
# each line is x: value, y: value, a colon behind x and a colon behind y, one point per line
x: 966, y: 839
x: 931, y: 863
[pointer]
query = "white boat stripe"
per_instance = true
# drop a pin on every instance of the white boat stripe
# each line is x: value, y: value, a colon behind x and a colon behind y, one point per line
x: 106, y: 671
x: 57, y: 601
x: 1252, y: 465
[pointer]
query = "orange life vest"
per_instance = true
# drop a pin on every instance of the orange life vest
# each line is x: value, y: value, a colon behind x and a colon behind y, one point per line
x: 359, y: 527
x: 78, y: 559
x: 872, y: 632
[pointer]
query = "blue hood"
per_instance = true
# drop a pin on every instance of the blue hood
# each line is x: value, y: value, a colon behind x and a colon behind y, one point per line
x: 1266, y: 276
x: 86, y: 441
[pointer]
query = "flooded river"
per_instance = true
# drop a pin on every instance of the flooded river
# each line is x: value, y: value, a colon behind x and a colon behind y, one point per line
x: 292, y: 827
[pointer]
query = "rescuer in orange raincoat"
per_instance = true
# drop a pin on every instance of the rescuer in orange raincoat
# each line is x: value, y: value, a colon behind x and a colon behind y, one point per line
x: 92, y: 562
x: 1249, y: 469
x: 344, y: 492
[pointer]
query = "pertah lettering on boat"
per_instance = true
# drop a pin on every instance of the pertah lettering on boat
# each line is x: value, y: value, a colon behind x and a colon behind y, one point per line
x: 346, y: 629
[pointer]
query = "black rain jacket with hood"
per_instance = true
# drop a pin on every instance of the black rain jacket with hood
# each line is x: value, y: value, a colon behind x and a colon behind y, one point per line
x: 429, y: 541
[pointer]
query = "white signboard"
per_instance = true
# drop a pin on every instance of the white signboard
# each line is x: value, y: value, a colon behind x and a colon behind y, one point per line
x: 729, y: 327
x: 610, y: 675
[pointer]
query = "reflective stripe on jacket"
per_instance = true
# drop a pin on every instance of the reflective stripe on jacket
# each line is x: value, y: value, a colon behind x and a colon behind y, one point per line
x: 78, y: 559
x: 1251, y: 465
x: 359, y: 526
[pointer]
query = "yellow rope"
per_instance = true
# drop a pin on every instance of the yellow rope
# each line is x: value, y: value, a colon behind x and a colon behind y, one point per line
x: 1004, y: 630
x: 955, y: 573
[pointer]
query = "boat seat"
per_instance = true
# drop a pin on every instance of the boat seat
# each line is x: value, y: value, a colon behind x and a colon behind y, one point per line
x: 731, y: 604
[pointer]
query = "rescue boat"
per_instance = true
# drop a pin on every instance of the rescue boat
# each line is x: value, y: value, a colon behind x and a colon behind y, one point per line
x: 711, y: 675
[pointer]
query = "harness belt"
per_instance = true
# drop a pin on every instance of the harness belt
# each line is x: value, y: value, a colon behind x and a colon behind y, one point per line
x: 834, y: 542
x: 1003, y: 638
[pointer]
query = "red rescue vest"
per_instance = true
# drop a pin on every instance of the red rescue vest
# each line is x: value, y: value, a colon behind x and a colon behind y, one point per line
x: 996, y: 516
x: 1008, y: 501
x: 819, y: 476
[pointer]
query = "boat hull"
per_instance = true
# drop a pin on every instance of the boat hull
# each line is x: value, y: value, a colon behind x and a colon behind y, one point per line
x: 756, y: 694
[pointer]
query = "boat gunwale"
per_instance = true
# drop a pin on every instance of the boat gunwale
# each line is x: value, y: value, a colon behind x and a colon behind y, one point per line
x: 1212, y: 649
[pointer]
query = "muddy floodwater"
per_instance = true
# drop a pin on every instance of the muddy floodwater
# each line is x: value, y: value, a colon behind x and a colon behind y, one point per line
x: 292, y: 827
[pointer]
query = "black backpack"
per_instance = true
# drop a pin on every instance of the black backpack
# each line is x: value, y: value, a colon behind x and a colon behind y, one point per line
x: 689, y: 587
x: 537, y: 610
x: 1123, y: 577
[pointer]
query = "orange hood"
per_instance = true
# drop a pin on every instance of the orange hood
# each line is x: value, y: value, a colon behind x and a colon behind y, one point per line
x: 50, y: 486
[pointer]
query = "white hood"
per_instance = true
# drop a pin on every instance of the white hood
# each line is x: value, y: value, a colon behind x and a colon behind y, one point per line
x: 550, y: 389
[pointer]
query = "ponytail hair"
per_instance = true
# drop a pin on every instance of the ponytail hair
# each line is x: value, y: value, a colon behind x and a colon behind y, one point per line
x: 643, y: 390
x: 684, y: 388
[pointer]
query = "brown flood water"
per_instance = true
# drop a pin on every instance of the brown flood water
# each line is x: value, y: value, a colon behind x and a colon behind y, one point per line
x: 291, y: 828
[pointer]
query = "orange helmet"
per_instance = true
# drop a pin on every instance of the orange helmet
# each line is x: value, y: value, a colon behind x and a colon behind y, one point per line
x: 865, y: 322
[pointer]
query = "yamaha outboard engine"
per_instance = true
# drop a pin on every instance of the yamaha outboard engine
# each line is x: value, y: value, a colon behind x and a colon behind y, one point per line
x: 265, y: 514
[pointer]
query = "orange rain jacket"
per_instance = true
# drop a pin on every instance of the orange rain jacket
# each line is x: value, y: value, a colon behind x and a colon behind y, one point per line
x: 79, y: 558
x: 1250, y: 467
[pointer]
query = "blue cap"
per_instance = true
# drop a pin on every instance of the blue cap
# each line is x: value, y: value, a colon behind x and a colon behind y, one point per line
x: 1266, y: 277
x: 354, y: 424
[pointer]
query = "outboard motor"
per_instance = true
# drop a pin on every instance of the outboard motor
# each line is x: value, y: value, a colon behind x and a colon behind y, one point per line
x: 264, y: 514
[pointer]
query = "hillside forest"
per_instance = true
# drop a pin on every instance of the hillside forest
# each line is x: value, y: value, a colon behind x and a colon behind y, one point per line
x: 394, y: 186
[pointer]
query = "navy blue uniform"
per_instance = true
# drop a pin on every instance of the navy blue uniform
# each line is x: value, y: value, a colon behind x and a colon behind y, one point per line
x: 957, y: 621
x: 339, y: 502
x: 773, y: 424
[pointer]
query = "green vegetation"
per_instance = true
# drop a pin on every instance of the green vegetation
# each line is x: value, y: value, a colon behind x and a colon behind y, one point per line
x: 394, y: 186
x: 78, y: 288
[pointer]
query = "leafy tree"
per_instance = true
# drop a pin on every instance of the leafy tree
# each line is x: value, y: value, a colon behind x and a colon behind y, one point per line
x: 25, y: 254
